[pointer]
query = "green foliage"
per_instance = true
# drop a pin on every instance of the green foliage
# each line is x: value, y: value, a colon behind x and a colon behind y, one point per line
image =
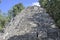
x: 15, y: 10
x: 11, y: 13
x: 53, y: 8
x: 2, y: 21
x: 58, y: 22
x: 1, y: 28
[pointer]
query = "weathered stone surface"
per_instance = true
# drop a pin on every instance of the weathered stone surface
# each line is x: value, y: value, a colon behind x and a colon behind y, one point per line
x: 33, y: 23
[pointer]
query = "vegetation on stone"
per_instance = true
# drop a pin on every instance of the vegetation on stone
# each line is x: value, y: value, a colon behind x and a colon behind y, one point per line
x: 11, y: 13
x: 33, y: 23
x: 15, y: 10
x: 53, y: 8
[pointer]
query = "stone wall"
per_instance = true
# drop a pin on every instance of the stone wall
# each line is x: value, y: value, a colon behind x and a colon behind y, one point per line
x: 33, y: 23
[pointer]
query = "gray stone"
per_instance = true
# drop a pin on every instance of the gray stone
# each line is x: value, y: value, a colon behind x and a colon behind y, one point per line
x: 33, y: 23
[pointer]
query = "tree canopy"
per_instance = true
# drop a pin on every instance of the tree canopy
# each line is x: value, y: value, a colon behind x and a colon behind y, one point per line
x: 3, y: 20
x: 15, y: 10
x: 11, y: 13
x: 53, y: 8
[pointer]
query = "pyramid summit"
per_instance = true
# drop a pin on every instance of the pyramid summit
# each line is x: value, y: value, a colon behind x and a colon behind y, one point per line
x: 33, y: 23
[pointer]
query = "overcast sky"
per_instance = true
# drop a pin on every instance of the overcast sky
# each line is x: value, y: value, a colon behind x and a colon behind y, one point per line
x: 8, y: 4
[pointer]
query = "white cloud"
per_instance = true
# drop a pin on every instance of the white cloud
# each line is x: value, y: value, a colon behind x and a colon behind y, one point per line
x: 35, y: 3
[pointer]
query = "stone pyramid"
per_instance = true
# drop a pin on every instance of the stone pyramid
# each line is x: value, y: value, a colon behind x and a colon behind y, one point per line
x: 33, y: 23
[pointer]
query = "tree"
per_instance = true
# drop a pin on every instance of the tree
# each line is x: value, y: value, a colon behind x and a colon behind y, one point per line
x: 3, y: 20
x: 15, y: 10
x: 53, y: 8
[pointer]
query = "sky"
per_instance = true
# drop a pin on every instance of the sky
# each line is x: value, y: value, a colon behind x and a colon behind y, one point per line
x: 8, y: 4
